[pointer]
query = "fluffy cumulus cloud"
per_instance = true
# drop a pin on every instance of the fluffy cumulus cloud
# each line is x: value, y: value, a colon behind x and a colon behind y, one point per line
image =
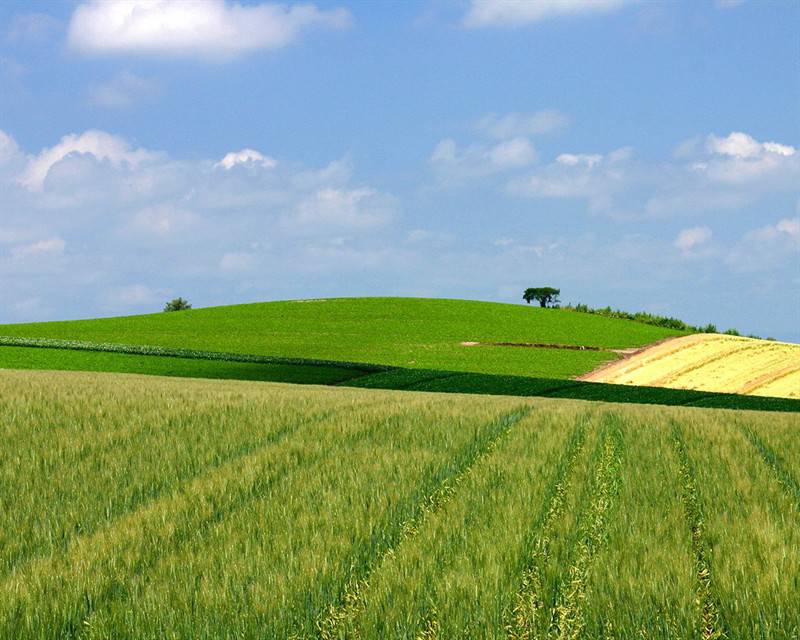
x: 708, y: 175
x: 694, y: 236
x: 594, y: 177
x: 213, y: 29
x: 98, y: 144
x: 121, y: 228
x: 513, y: 13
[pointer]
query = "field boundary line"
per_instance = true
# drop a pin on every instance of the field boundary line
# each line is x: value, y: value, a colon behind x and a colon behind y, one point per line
x: 521, y: 619
x: 567, y: 621
x: 784, y: 477
x: 331, y: 623
x: 706, y: 598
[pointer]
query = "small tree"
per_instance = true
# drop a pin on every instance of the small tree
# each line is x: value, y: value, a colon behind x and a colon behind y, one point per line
x: 544, y: 295
x: 178, y: 304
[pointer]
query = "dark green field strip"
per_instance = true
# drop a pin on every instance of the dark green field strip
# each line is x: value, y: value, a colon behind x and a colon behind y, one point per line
x: 71, y: 360
x: 77, y: 355
x: 479, y: 383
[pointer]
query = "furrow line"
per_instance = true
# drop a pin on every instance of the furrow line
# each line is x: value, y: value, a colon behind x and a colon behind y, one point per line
x: 333, y: 622
x: 146, y: 497
x: 706, y: 599
x: 785, y: 478
x: 522, y: 619
x: 94, y: 569
x: 567, y: 617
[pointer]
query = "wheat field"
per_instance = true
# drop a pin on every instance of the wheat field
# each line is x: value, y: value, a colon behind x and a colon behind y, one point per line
x: 144, y: 507
x: 712, y: 362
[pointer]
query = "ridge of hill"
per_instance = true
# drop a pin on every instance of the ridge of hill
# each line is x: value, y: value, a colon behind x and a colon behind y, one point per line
x: 405, y: 332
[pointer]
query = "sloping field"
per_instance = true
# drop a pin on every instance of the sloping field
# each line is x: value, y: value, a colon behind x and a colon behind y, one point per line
x: 220, y: 509
x: 405, y: 332
x: 712, y: 362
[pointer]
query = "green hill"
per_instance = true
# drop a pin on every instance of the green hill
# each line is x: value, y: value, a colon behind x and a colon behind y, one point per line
x: 405, y: 332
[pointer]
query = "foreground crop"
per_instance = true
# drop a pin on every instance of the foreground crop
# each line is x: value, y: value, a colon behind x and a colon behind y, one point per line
x: 138, y: 507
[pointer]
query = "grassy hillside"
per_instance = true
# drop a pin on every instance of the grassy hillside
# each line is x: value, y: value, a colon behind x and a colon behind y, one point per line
x: 274, y: 511
x: 406, y: 332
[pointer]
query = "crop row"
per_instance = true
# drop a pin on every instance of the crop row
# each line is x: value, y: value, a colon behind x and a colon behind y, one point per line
x: 191, y: 509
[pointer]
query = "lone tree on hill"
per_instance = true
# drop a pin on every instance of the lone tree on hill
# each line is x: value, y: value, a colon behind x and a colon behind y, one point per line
x: 178, y: 304
x: 544, y: 295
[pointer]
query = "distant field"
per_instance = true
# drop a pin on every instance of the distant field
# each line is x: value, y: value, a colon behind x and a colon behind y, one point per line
x: 226, y: 509
x: 712, y: 362
x: 406, y: 332
x: 41, y: 353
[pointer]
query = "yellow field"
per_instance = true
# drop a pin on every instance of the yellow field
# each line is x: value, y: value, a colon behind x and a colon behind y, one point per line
x: 712, y: 362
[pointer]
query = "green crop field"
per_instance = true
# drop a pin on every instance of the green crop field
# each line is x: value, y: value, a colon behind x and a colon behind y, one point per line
x: 143, y: 507
x: 405, y: 332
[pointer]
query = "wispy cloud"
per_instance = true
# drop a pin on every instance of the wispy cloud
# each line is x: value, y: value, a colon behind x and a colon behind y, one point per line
x: 123, y: 90
x: 514, y: 13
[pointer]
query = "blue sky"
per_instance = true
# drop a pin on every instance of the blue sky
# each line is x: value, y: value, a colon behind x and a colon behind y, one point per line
x: 641, y: 155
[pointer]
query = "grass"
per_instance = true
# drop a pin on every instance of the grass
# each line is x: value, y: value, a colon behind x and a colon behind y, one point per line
x: 72, y: 360
x: 311, y: 512
x: 405, y: 332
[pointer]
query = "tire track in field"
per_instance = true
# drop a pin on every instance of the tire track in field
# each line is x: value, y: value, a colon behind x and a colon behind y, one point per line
x: 567, y: 617
x: 333, y: 621
x: 134, y: 543
x: 710, y: 621
x: 528, y: 603
x: 784, y: 477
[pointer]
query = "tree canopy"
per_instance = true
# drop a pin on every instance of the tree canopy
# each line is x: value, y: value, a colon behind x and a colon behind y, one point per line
x: 178, y: 304
x: 543, y: 295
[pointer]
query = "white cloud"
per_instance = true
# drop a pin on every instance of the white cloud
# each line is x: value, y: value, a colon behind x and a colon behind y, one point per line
x: 162, y: 220
x: 740, y: 158
x: 592, y: 176
x: 236, y: 262
x: 455, y: 164
x: 741, y: 145
x: 512, y: 13
x: 101, y: 145
x: 214, y: 29
x: 246, y: 157
x: 692, y: 237
x: 785, y: 228
x: 586, y: 159
x: 51, y: 246
x: 123, y: 90
x: 357, y: 208
x: 8, y: 147
x: 769, y: 247
x: 523, y: 124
